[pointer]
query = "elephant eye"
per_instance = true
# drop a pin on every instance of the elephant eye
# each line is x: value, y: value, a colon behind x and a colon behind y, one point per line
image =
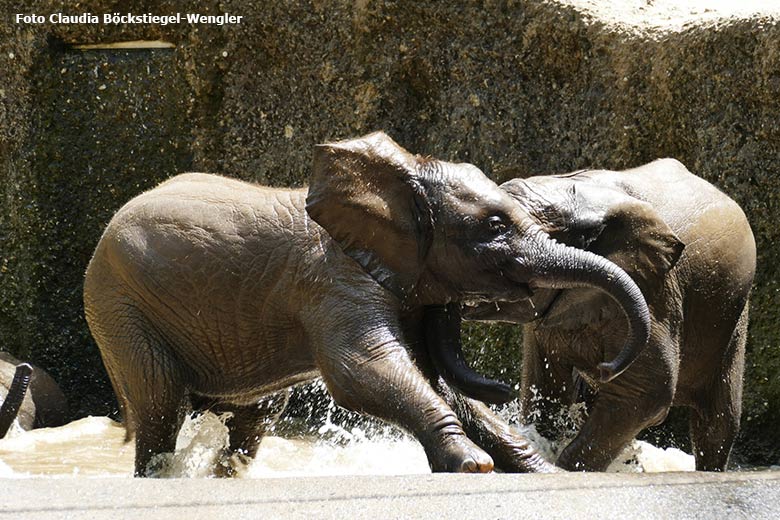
x: 496, y: 224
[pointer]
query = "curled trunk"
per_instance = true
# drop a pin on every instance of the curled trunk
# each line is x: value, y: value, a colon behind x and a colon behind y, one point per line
x: 549, y: 265
x: 564, y: 267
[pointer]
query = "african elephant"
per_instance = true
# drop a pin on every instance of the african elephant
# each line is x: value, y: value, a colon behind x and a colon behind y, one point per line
x: 225, y: 292
x: 43, y: 406
x: 690, y: 249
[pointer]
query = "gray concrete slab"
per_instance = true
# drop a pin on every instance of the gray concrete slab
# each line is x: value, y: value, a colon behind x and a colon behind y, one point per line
x: 754, y: 495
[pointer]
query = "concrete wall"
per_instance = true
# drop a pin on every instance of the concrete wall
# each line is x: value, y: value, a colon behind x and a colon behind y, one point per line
x: 517, y: 87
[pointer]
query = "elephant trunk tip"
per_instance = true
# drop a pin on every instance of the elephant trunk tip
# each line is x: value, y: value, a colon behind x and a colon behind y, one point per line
x: 612, y: 369
x: 24, y: 369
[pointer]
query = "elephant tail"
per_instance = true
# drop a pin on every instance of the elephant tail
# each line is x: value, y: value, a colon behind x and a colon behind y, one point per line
x: 125, y: 409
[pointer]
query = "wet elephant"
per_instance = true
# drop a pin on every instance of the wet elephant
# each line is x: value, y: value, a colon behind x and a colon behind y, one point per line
x: 225, y: 292
x: 43, y: 406
x: 690, y: 249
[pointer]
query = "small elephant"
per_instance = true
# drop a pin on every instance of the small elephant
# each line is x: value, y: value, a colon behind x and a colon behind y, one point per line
x: 226, y: 292
x: 690, y: 249
x: 43, y: 406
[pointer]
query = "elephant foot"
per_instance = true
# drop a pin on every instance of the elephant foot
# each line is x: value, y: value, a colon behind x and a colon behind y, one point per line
x: 514, y: 453
x: 568, y: 464
x: 525, y: 461
x: 572, y: 459
x: 457, y: 454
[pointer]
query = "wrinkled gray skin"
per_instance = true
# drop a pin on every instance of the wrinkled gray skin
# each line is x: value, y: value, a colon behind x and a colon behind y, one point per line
x: 44, y: 405
x: 690, y: 249
x: 227, y: 293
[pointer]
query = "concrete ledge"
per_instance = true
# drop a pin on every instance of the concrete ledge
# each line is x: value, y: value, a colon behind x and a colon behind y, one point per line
x: 668, y: 495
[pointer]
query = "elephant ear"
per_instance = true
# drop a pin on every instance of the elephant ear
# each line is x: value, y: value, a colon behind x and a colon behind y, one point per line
x: 367, y: 194
x: 633, y: 235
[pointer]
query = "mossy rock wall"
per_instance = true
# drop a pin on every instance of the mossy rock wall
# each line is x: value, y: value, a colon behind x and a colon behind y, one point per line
x: 517, y: 87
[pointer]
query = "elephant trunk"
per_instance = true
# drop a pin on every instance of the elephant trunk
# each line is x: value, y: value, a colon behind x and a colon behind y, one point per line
x: 442, y: 335
x: 13, y: 401
x: 550, y: 265
x: 558, y: 266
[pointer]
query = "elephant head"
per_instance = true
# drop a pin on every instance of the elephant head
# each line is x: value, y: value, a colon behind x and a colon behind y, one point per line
x: 605, y: 220
x: 429, y: 231
x: 434, y: 233
x: 31, y: 395
x: 613, y: 228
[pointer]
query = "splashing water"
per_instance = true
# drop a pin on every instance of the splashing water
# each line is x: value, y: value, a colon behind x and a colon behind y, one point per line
x: 94, y: 446
x: 637, y: 457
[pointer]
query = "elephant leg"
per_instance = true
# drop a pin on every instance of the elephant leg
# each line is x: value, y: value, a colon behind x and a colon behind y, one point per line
x: 715, y: 420
x: 617, y: 416
x: 392, y: 389
x: 250, y: 423
x: 246, y: 428
x: 640, y: 397
x: 368, y: 369
x: 511, y: 451
x: 546, y: 386
x: 145, y: 376
x: 147, y: 382
x: 608, y: 429
x: 712, y: 435
x: 157, y: 401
